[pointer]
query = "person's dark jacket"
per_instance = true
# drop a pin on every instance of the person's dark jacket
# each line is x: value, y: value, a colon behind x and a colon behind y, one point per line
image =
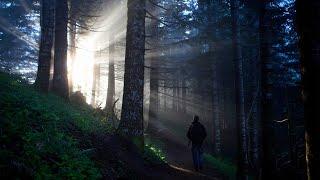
x: 197, y: 133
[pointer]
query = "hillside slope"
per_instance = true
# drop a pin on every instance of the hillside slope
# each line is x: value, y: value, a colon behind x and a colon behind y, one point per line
x: 44, y: 137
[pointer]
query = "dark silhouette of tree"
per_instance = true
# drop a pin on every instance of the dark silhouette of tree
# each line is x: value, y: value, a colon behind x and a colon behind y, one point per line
x: 184, y: 92
x: 308, y: 14
x: 46, y: 45
x: 60, y: 76
x: 111, y: 75
x: 154, y: 75
x: 212, y: 36
x: 131, y: 124
x: 72, y: 37
x: 268, y: 155
x: 96, y: 79
x: 239, y: 90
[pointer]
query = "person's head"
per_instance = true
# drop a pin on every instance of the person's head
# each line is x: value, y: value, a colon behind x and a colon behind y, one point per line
x: 195, y: 118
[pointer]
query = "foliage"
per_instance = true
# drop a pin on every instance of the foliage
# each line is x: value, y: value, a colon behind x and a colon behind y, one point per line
x: 40, y: 134
x: 222, y: 165
x: 153, y: 154
x: 19, y: 34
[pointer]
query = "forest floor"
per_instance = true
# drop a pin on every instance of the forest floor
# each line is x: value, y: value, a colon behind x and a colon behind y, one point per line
x: 45, y: 137
x: 112, y: 149
x: 178, y: 155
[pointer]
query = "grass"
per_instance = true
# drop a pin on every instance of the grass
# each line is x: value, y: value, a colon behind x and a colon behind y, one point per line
x: 44, y: 137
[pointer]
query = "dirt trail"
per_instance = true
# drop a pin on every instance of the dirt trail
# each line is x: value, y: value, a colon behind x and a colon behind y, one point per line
x: 110, y: 150
x: 179, y: 155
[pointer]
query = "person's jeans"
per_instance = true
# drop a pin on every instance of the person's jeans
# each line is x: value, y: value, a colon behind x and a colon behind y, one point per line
x: 197, y: 155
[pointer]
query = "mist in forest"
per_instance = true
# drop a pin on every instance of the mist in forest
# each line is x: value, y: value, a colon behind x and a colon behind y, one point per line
x: 159, y: 89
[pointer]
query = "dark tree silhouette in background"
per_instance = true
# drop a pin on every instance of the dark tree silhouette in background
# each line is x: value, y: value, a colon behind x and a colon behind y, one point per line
x: 308, y: 15
x: 243, y: 163
x: 60, y: 76
x: 268, y: 161
x: 111, y: 75
x: 46, y: 45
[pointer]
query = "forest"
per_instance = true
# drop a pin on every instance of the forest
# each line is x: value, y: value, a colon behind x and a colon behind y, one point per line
x: 160, y: 89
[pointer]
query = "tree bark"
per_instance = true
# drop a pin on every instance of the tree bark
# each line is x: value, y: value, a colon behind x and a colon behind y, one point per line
x: 111, y: 76
x: 154, y: 97
x: 210, y: 10
x: 255, y: 128
x: 154, y: 83
x: 291, y: 130
x: 72, y: 41
x: 242, y: 171
x: 60, y: 76
x: 46, y: 45
x: 216, y: 96
x: 268, y: 154
x: 131, y: 124
x: 184, y: 93
x: 216, y: 113
x: 96, y: 80
x: 165, y: 98
x: 308, y: 15
x: 174, y: 95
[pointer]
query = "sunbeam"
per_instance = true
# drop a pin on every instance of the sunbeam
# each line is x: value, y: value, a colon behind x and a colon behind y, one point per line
x: 159, y: 89
x: 93, y: 49
x: 18, y: 34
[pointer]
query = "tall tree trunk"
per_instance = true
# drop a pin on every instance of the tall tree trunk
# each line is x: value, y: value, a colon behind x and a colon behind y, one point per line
x: 184, y: 93
x: 291, y: 130
x: 72, y: 41
x: 154, y: 99
x: 178, y: 83
x: 210, y: 10
x: 72, y: 47
x: 254, y: 110
x: 131, y: 124
x: 165, y: 96
x: 255, y: 126
x: 308, y: 15
x: 96, y: 80
x: 174, y: 95
x: 60, y: 76
x: 215, y: 89
x: 242, y: 171
x: 215, y: 108
x: 222, y: 110
x: 46, y: 45
x: 154, y: 83
x: 111, y: 76
x: 268, y: 160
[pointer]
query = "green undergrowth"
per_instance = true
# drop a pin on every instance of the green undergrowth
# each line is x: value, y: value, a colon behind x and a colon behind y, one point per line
x: 224, y: 166
x: 44, y: 137
x: 153, y: 152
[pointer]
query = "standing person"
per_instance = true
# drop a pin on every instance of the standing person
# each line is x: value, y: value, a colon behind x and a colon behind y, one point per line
x: 196, y: 134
